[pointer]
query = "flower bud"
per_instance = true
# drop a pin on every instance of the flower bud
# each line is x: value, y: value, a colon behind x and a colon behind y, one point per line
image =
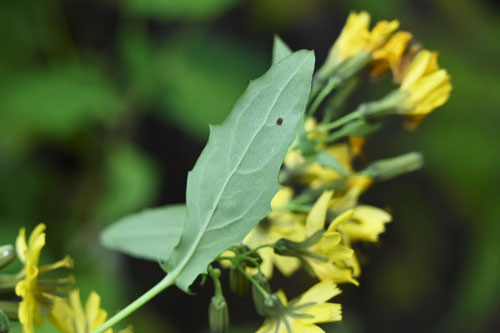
x: 218, y: 315
x: 4, y: 323
x: 286, y: 247
x: 238, y: 282
x: 393, y: 167
x: 258, y: 298
x: 7, y: 255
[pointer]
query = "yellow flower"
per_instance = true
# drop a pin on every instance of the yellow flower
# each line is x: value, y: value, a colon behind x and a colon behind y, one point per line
x: 278, y: 224
x: 391, y: 55
x: 366, y: 224
x: 35, y: 292
x: 72, y: 318
x: 355, y: 38
x: 424, y: 87
x: 336, y: 256
x: 303, y: 313
x: 356, y: 185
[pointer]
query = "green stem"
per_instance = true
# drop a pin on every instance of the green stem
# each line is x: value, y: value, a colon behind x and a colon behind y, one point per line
x: 255, y: 283
x: 158, y: 288
x: 332, y: 84
x: 215, y: 275
x: 358, y: 113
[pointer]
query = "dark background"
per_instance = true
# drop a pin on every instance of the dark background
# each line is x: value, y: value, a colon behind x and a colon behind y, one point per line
x: 104, y: 107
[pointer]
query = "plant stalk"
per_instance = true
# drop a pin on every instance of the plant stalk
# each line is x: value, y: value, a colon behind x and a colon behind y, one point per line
x: 166, y: 282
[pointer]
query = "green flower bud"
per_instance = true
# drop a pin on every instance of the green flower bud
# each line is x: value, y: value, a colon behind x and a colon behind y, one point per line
x: 258, y: 298
x: 4, y: 323
x: 7, y: 255
x: 286, y: 247
x: 392, y: 167
x: 238, y: 282
x: 218, y: 315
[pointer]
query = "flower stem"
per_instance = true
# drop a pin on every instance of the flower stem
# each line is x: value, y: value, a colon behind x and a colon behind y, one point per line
x: 158, y: 288
x: 342, y: 121
x: 254, y: 282
x: 332, y: 84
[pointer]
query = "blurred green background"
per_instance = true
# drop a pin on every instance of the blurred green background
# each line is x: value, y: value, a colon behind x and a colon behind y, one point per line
x: 104, y: 107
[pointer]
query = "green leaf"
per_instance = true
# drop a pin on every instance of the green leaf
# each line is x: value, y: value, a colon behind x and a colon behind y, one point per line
x: 280, y: 50
x: 230, y: 188
x: 151, y: 234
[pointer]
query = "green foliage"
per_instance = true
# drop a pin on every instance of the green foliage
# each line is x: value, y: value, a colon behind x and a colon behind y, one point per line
x: 175, y: 9
x: 55, y: 102
x: 213, y: 69
x: 151, y: 234
x: 130, y: 183
x: 236, y: 176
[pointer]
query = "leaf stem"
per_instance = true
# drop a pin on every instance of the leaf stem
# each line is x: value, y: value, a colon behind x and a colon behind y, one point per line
x: 166, y: 282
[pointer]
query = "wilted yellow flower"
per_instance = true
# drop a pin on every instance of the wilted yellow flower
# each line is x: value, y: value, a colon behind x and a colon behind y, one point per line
x: 391, y: 55
x: 35, y: 292
x: 278, y: 224
x: 72, y: 318
x: 355, y: 38
x: 427, y: 86
x: 303, y: 313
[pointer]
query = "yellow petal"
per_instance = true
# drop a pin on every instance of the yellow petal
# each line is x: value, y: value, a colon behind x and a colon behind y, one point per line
x: 299, y: 327
x: 417, y: 68
x: 286, y: 265
x: 61, y: 316
x: 79, y: 319
x: 316, y: 219
x: 95, y: 315
x: 320, y: 293
x: 341, y: 219
x: 342, y: 154
x: 26, y: 313
x: 281, y: 198
x: 21, y: 246
x: 323, y: 313
x: 367, y: 224
x: 269, y: 326
x: 327, y: 271
x: 267, y: 255
x: 282, y: 297
x: 380, y: 34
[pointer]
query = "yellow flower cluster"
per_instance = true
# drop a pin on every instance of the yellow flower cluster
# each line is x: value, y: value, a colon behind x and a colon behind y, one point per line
x: 316, y: 217
x: 355, y: 38
x: 340, y: 220
x: 51, y: 294
x: 423, y: 85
